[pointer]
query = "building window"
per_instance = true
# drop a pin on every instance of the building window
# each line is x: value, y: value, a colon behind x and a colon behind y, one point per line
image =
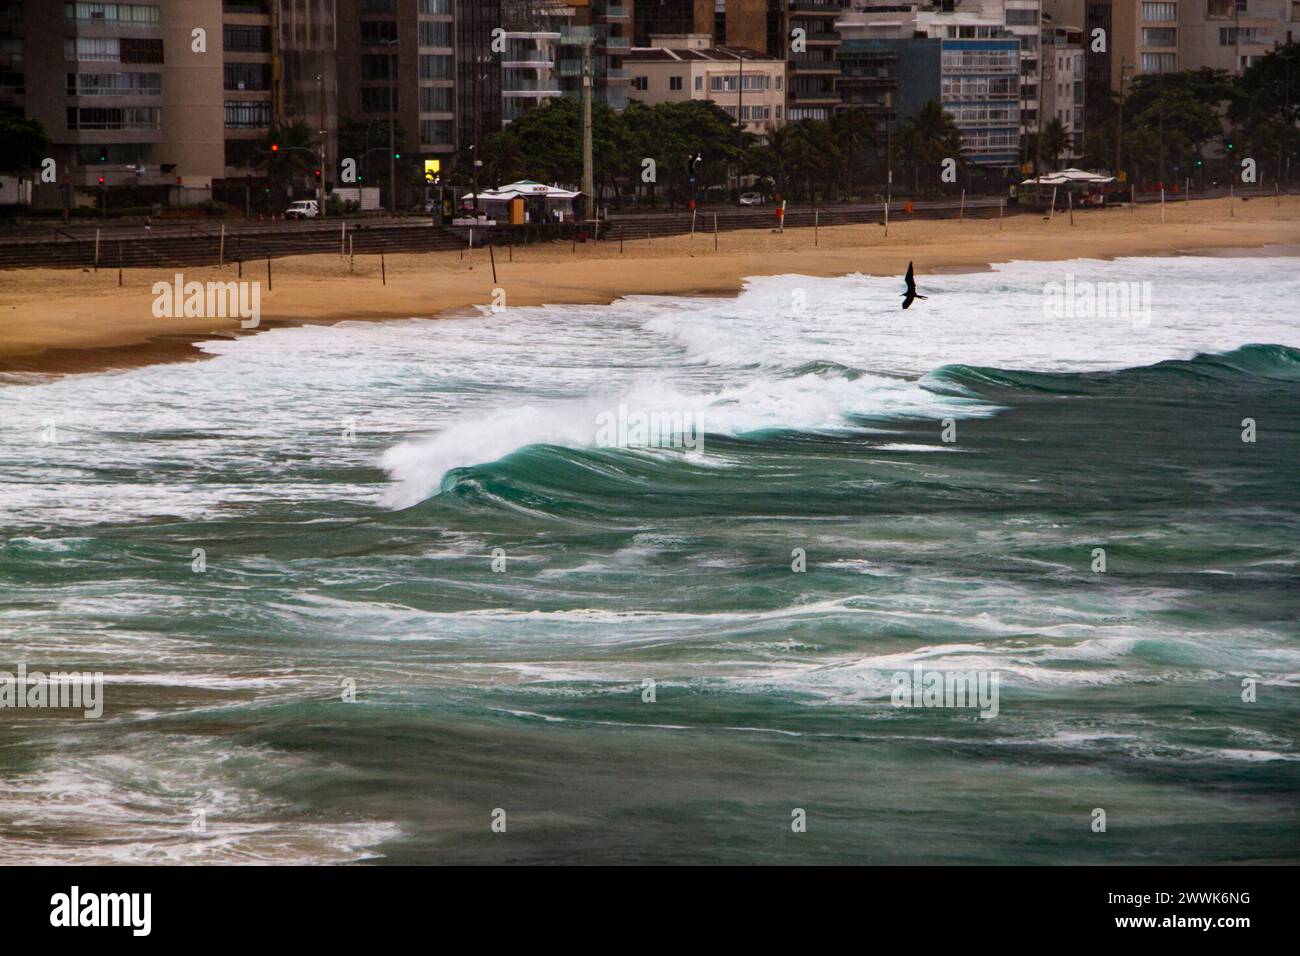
x: 435, y: 99
x: 1019, y: 18
x: 436, y: 67
x: 378, y: 66
x: 641, y: 83
x: 126, y: 117
x: 130, y: 14
x: 1159, y: 36
x: 1157, y: 62
x: 102, y: 49
x: 114, y: 84
x: 374, y: 99
x: 247, y: 115
x: 246, y: 39
x: 674, y: 83
x: 1231, y: 36
x: 435, y: 132
x: 248, y: 76
x: 435, y: 7
x: 379, y: 32
x: 1160, y: 12
x: 434, y: 33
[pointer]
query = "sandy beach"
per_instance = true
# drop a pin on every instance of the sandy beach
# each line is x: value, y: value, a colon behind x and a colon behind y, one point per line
x: 75, y: 320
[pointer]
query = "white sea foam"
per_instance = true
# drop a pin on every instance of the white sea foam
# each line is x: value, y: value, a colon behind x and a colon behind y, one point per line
x: 207, y: 440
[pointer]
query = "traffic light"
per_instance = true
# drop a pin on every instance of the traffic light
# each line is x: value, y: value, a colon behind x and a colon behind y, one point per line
x: 101, y: 180
x: 318, y: 174
x: 1230, y: 145
x: 103, y: 154
x: 397, y: 155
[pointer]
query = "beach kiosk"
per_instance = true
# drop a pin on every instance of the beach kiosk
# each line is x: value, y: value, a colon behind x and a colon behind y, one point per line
x: 537, y: 202
x: 1084, y: 188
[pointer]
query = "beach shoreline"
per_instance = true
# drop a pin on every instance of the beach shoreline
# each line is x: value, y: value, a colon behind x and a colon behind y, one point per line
x: 62, y: 321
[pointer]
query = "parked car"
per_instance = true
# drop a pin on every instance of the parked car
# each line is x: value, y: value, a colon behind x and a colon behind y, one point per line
x: 302, y: 209
x: 751, y: 199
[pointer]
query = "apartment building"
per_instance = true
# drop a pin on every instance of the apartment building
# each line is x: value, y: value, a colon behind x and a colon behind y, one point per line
x: 1063, y: 92
x: 673, y: 18
x: 974, y: 58
x: 802, y: 32
x: 1164, y: 36
x: 748, y: 85
x: 122, y: 91
x: 530, y: 72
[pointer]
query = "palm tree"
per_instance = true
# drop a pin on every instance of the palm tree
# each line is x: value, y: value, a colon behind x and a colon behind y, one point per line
x: 1055, y: 140
x: 855, y: 133
x: 929, y: 137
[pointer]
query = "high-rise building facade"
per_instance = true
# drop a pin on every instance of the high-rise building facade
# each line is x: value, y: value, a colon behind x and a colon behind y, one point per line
x: 1062, y: 89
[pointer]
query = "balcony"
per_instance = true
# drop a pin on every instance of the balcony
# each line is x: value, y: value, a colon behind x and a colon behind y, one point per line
x: 613, y: 13
x: 817, y: 8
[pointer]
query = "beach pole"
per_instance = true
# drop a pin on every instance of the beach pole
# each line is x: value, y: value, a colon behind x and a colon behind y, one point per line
x: 1162, y: 203
x: 493, y: 256
x: 961, y: 211
x: 352, y: 258
x: 1277, y: 190
x: 343, y: 234
x: 715, y: 232
x: 693, y: 212
x: 268, y: 274
x: 886, y: 218
x: 1231, y: 189
x: 221, y: 250
x: 383, y: 268
x: 1187, y: 193
x: 816, y: 227
x: 96, y: 248
x: 1070, y: 198
x: 1133, y: 197
x: 1001, y: 207
x: 1051, y: 213
x: 119, y: 265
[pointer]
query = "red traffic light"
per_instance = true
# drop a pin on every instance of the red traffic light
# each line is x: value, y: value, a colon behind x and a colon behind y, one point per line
x: 101, y: 180
x: 275, y: 147
x: 318, y: 174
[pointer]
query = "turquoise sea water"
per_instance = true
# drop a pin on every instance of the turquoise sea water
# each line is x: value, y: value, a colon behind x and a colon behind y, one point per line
x: 349, y: 486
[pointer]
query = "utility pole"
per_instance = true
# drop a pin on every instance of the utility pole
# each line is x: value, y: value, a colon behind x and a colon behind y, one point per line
x: 588, y: 175
x: 474, y: 164
x: 1038, y: 110
x: 392, y: 148
x: 320, y: 189
x: 1119, y: 126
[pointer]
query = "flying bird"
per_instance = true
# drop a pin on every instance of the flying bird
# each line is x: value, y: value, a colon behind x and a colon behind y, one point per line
x: 910, y: 295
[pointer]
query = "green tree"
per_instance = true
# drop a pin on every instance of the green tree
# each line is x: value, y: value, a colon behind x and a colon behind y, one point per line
x: 926, y: 139
x: 1055, y: 141
x: 855, y: 134
x: 23, y: 144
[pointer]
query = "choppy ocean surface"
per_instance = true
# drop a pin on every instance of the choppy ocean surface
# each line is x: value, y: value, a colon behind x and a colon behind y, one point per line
x: 349, y: 486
